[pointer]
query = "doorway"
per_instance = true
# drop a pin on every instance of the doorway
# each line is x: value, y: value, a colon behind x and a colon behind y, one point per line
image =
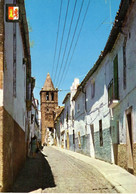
x: 129, y: 129
x: 67, y: 140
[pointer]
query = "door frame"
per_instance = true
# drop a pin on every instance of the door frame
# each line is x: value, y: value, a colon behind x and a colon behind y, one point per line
x: 129, y: 144
x: 68, y: 140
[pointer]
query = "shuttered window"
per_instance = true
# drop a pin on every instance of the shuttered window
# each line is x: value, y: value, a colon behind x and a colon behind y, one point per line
x: 116, y: 85
x: 124, y: 63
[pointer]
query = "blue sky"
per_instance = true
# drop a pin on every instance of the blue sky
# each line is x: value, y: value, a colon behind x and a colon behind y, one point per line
x: 43, y: 16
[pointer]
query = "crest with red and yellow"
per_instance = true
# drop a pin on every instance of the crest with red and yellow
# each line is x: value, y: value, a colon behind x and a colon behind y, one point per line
x: 12, y: 13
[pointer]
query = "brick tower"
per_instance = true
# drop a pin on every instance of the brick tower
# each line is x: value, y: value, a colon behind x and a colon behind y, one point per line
x: 49, y: 101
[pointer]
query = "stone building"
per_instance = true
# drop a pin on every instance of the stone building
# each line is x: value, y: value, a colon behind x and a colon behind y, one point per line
x: 49, y: 102
x: 15, y: 93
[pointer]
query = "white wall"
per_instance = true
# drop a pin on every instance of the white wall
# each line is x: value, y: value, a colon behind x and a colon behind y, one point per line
x: 79, y: 123
x: 128, y: 95
x: 14, y: 105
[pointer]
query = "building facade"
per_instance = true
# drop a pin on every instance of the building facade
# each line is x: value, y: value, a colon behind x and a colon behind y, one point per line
x: 15, y: 93
x: 122, y: 92
x: 104, y: 104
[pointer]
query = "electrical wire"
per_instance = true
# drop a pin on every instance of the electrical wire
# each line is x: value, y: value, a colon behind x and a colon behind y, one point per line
x: 60, y: 90
x: 62, y: 39
x: 73, y: 36
x: 67, y: 40
x: 56, y: 39
x: 66, y: 68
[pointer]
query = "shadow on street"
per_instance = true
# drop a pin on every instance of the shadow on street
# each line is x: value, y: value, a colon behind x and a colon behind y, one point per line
x: 36, y: 174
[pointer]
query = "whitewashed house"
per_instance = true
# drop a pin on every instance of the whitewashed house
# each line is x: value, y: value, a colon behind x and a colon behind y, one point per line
x: 67, y: 120
x: 68, y: 114
x: 105, y: 104
x: 58, y: 128
x: 34, y: 128
x: 15, y: 92
x: 122, y: 88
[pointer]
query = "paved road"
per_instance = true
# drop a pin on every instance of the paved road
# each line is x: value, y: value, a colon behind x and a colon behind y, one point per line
x: 74, y: 176
x: 57, y: 172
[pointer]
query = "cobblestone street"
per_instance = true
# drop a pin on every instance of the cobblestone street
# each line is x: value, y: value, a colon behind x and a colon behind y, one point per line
x: 57, y: 172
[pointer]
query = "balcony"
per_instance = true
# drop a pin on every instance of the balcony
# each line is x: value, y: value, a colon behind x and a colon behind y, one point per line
x: 113, y: 95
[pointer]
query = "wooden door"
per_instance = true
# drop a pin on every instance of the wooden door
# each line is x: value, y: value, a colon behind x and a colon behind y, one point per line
x: 130, y: 165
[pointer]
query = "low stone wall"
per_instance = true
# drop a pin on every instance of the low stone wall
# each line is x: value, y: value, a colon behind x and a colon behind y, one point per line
x: 122, y: 156
x: 13, y: 154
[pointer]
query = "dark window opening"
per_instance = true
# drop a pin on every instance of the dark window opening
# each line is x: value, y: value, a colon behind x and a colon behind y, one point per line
x: 47, y: 95
x: 73, y: 137
x: 116, y: 84
x: 100, y: 133
x: 52, y: 96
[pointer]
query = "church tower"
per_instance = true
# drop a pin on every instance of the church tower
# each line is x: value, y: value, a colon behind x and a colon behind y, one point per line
x: 49, y: 101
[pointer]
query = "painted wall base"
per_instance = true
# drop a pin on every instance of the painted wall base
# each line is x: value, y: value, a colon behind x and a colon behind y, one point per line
x: 12, y: 150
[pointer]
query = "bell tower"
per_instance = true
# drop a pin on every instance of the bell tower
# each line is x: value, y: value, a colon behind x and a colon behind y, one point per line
x: 49, y: 101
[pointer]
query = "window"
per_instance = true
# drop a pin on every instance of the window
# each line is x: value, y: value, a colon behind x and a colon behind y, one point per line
x: 32, y: 118
x: 73, y: 137
x: 72, y: 118
x: 92, y: 88
x: 47, y: 95
x: 113, y: 87
x: 100, y: 133
x: 110, y: 92
x: 124, y: 63
x: 116, y: 84
x: 52, y: 96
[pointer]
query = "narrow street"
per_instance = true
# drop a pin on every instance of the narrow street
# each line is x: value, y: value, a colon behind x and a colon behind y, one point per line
x: 57, y: 172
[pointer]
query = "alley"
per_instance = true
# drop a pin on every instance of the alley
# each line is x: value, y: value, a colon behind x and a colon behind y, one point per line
x: 57, y: 172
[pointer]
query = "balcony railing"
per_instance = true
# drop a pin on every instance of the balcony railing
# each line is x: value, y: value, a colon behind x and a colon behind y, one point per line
x: 113, y: 98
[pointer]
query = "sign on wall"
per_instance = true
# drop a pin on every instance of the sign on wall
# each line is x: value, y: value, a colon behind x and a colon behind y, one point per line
x: 12, y: 13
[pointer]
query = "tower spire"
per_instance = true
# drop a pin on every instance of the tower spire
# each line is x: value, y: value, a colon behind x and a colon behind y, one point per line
x: 48, y: 85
